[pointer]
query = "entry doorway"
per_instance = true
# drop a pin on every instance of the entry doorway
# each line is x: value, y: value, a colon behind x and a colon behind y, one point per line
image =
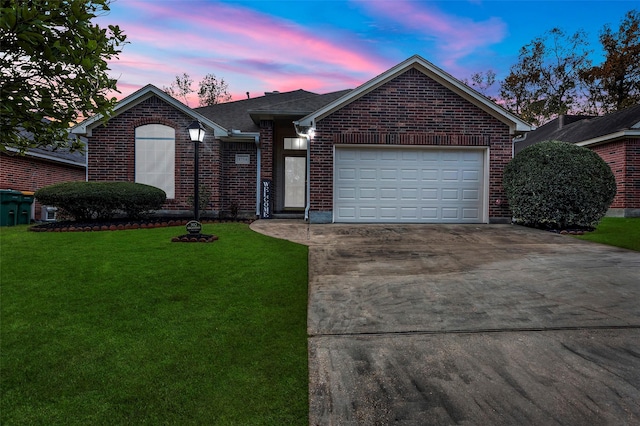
x: 294, y: 182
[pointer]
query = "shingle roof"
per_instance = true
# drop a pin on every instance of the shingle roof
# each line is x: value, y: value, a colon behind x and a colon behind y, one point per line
x: 244, y: 114
x: 61, y: 154
x: 582, y: 128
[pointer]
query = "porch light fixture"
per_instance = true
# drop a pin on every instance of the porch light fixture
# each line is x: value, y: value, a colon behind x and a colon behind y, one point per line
x: 196, y: 133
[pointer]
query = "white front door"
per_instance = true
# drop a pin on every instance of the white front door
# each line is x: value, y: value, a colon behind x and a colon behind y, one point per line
x: 295, y: 172
x: 409, y: 184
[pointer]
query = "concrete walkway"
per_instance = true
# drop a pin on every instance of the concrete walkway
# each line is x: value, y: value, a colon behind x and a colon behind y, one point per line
x: 468, y: 324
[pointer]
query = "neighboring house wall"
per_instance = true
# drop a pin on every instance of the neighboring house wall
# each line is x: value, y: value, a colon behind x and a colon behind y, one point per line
x: 25, y: 173
x: 623, y: 156
x: 411, y: 109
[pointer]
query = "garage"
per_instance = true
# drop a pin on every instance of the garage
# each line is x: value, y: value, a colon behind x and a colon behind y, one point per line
x: 376, y: 184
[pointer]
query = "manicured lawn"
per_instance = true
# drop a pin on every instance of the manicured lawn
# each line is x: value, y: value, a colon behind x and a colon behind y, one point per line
x: 125, y: 327
x: 620, y: 232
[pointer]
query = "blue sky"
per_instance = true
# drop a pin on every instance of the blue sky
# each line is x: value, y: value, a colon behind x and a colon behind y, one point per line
x: 328, y: 45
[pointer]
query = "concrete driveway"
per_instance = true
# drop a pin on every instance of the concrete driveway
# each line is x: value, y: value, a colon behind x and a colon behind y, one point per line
x: 468, y: 324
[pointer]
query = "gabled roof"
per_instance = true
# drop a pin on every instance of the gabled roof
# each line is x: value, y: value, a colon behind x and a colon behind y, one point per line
x: 586, y: 130
x: 245, y: 114
x: 139, y: 96
x: 297, y: 107
x: 516, y: 124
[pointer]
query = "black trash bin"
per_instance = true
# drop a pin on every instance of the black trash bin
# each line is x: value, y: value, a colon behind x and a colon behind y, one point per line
x: 24, y: 208
x: 9, y: 202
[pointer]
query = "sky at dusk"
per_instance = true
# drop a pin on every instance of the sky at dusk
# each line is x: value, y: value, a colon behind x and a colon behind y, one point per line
x: 328, y: 45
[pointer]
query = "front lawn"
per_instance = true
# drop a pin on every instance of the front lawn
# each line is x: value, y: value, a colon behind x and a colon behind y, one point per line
x: 616, y: 231
x: 126, y: 327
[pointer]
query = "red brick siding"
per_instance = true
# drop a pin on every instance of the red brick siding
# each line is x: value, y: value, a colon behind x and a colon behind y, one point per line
x: 411, y: 109
x: 111, y: 152
x: 24, y: 173
x: 239, y: 184
x: 267, y: 155
x: 266, y: 146
x: 623, y: 156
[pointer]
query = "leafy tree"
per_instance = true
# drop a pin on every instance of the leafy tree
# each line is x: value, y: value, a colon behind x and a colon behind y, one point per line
x: 615, y: 84
x: 545, y: 81
x: 180, y: 88
x: 212, y: 91
x: 482, y: 82
x: 53, y: 69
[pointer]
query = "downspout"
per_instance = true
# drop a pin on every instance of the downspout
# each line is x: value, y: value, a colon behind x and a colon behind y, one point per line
x: 306, y: 132
x: 258, y: 170
x: 308, y: 203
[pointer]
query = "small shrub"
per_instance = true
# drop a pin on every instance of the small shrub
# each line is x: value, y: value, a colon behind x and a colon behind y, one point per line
x: 558, y: 185
x: 102, y: 200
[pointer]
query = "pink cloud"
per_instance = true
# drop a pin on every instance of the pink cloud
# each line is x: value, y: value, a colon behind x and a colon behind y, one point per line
x: 250, y: 50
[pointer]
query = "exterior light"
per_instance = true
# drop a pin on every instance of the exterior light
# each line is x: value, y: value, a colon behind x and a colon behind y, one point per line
x: 196, y: 133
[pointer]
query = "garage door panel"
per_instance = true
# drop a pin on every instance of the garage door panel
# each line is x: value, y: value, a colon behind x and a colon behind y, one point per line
x: 407, y: 194
x: 347, y: 193
x: 347, y: 174
x: 450, y: 194
x: 408, y: 185
x: 470, y: 176
x: 449, y: 175
x: 388, y: 194
x: 470, y: 195
x: 368, y: 174
x: 408, y: 175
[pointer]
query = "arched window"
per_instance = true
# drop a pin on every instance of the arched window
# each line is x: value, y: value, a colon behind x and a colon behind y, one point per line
x: 155, y: 157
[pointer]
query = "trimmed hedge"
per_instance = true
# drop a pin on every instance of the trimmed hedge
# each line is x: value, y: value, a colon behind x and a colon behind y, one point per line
x: 558, y: 185
x: 86, y: 201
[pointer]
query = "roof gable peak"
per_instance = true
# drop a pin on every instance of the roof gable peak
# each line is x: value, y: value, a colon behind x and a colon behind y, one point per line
x: 417, y: 62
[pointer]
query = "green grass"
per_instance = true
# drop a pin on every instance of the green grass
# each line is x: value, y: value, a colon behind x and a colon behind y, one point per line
x: 619, y: 232
x: 126, y: 327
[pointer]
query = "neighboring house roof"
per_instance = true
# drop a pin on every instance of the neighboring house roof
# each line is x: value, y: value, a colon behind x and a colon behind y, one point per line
x: 245, y: 114
x: 61, y: 155
x: 86, y: 127
x: 516, y: 124
x: 586, y: 130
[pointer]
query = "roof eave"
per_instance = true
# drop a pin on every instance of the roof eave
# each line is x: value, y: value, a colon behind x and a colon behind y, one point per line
x: 632, y: 133
x: 86, y: 127
x: 51, y: 158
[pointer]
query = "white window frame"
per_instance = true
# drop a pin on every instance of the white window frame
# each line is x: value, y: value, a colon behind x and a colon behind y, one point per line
x: 295, y: 144
x: 155, y: 154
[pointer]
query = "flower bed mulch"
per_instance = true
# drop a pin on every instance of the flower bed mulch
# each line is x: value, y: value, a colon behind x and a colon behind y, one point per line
x: 118, y: 224
x: 194, y: 238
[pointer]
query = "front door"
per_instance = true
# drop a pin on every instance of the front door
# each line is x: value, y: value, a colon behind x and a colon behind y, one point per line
x: 295, y: 172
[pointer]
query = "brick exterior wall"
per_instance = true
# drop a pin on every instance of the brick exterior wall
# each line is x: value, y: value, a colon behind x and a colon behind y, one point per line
x: 239, y: 182
x: 111, y: 153
x: 266, y: 157
x: 411, y: 109
x: 623, y: 156
x: 24, y: 173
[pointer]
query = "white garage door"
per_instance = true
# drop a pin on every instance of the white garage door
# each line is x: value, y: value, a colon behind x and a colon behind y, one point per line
x: 409, y: 185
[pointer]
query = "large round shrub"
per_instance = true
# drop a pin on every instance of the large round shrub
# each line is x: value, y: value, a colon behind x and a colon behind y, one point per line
x: 102, y: 200
x: 558, y: 185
